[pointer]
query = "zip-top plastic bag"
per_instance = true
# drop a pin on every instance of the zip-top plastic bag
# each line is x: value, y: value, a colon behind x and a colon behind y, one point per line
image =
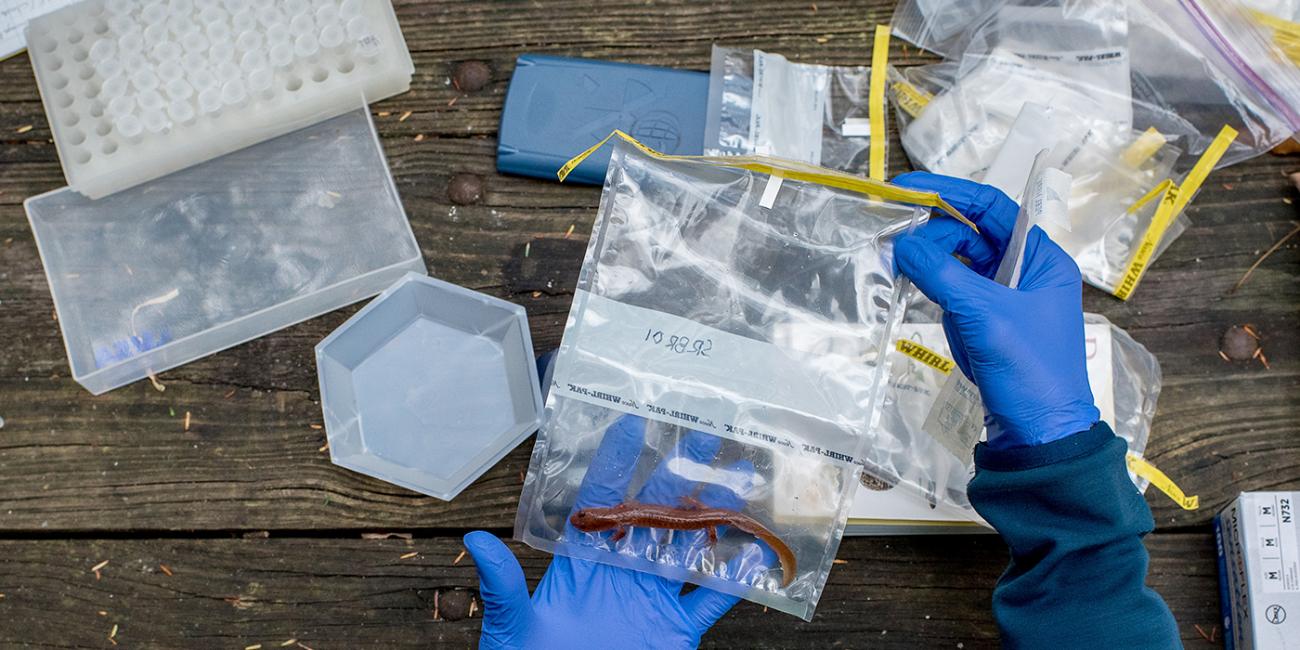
x: 1196, y: 65
x: 761, y: 103
x: 720, y: 373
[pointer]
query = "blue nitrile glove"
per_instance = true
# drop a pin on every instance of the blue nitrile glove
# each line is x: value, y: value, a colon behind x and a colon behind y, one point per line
x: 579, y: 603
x: 1023, y: 347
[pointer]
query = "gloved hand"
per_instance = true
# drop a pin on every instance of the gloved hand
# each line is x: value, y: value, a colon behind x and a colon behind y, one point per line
x: 580, y: 603
x: 1023, y: 347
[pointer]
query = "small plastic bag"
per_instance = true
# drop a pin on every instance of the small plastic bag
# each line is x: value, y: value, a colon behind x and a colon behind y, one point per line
x: 761, y: 103
x: 722, y: 359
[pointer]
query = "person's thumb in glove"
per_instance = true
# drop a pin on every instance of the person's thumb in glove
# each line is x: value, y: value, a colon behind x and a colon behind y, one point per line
x: 506, y: 605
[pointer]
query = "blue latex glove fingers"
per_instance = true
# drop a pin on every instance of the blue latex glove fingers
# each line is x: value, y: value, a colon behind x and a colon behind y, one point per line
x: 704, y: 606
x: 678, y: 473
x: 610, y: 470
x: 1024, y: 348
x: 507, y: 610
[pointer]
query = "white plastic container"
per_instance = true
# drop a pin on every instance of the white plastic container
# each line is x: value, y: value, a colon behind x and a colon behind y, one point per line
x: 223, y: 252
x: 135, y: 90
x: 428, y: 386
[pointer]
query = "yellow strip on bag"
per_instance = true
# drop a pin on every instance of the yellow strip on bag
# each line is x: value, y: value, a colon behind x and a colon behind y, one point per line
x: 925, y: 355
x: 1175, y: 199
x: 1161, y: 481
x: 791, y: 170
x: 911, y: 99
x: 1143, y: 148
x: 876, y: 103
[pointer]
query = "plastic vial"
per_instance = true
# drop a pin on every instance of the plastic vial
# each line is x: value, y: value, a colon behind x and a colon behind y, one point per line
x: 236, y: 6
x: 181, y: 111
x: 180, y: 7
x: 228, y: 72
x: 268, y: 14
x: 350, y: 9
x: 210, y: 100
x: 169, y: 71
x: 302, y: 24
x: 179, y: 89
x: 153, y: 14
x: 103, y: 49
x: 233, y: 93
x: 120, y: 106
x: 155, y: 120
x: 110, y: 67
x: 218, y: 32
x: 281, y: 54
x: 182, y: 27
x: 144, y: 79
x: 332, y: 36
x: 253, y: 60
x: 244, y: 21
x: 168, y: 51
x: 132, y: 41
x: 196, y: 42
x: 156, y: 34
x: 277, y: 33
x: 249, y: 41
x: 221, y: 52
x: 120, y: 7
x: 150, y: 101
x: 260, y: 82
x: 296, y: 7
x: 120, y: 24
x: 202, y: 79
x: 358, y: 27
x: 306, y: 46
x: 129, y: 126
x: 113, y: 87
x: 212, y: 16
x: 327, y: 14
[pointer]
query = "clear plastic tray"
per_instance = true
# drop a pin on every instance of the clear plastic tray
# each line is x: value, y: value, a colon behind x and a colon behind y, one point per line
x: 428, y: 386
x: 223, y: 252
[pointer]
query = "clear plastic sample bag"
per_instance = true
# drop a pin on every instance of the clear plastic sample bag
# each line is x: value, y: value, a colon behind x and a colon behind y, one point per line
x: 761, y: 103
x: 720, y: 373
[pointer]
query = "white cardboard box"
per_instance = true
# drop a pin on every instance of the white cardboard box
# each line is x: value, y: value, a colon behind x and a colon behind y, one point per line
x: 1259, y: 571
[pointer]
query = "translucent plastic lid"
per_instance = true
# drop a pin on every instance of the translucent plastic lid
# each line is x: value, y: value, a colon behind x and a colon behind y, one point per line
x: 428, y: 386
x: 223, y: 252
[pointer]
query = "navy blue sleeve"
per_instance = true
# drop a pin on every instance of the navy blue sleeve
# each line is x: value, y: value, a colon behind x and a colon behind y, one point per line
x: 1074, y: 523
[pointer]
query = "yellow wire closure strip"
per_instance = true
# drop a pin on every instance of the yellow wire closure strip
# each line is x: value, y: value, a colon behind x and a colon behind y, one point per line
x: 792, y: 170
x: 1174, y: 200
x: 1145, y: 146
x: 1161, y: 481
x: 876, y: 103
x: 925, y: 355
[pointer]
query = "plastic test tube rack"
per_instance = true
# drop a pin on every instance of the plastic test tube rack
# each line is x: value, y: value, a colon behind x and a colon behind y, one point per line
x: 136, y: 89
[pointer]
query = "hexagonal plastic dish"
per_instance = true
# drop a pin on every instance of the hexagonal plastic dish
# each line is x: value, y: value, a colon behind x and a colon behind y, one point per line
x: 428, y: 386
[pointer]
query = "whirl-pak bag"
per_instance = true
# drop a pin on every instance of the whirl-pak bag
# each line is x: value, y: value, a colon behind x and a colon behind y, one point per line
x: 724, y: 356
x: 762, y: 103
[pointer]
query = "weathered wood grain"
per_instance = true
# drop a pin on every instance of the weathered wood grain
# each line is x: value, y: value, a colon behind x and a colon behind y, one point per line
x: 330, y: 594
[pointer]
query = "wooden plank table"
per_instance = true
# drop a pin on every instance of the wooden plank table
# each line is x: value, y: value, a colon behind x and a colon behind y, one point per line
x: 239, y: 531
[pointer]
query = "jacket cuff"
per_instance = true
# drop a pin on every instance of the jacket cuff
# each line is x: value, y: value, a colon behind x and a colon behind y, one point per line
x: 1021, y: 458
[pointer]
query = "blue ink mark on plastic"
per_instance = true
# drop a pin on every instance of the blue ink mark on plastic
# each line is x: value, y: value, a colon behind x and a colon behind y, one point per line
x: 129, y: 347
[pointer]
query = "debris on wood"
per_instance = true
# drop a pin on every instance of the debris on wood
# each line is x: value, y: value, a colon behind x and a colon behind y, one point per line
x: 171, y: 412
x: 157, y: 385
x: 112, y: 635
x: 1271, y: 249
x: 453, y: 101
x: 255, y: 646
x: 385, y: 113
x: 473, y: 606
x: 23, y: 129
x: 304, y: 646
x: 324, y: 448
x: 405, y: 536
x: 257, y: 534
x: 187, y: 420
x: 458, y: 558
x: 568, y: 233
x: 465, y: 188
x: 471, y: 76
x: 317, y: 427
x: 405, y: 116
x: 419, y: 138
x: 102, y: 613
x: 1288, y: 146
x: 407, y: 556
x: 165, y: 569
x: 1241, y: 343
x: 455, y: 604
x: 97, y: 567
x: 839, y: 561
x: 229, y: 394
x: 528, y: 248
x: 288, y: 643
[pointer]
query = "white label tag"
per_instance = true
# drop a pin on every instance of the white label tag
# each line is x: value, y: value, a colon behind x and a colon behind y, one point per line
x: 856, y: 127
x: 957, y: 417
x: 675, y: 370
x: 769, y: 192
x: 787, y: 107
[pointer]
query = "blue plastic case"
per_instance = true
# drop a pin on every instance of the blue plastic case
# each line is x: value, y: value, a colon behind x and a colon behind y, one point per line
x: 556, y: 107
